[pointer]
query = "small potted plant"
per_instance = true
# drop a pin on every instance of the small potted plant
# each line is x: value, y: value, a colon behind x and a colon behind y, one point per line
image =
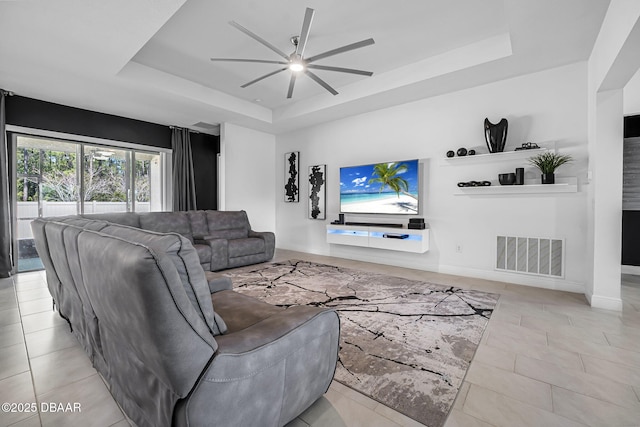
x: 547, y: 163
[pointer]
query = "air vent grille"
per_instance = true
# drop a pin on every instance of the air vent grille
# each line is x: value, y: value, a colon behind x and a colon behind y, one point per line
x: 530, y: 255
x: 204, y: 125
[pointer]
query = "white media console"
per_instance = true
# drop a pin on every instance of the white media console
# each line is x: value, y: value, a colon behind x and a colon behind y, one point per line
x: 391, y: 238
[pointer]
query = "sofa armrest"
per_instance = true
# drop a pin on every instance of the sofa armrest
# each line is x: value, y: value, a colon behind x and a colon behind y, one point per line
x: 218, y: 282
x: 269, y: 241
x: 271, y: 329
x: 271, y: 371
x: 219, y: 252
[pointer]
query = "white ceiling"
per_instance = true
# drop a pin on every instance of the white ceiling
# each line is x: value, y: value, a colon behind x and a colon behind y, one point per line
x: 149, y: 59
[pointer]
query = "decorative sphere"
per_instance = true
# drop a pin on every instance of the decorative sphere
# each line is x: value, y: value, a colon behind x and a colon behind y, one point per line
x: 471, y: 152
x: 462, y: 152
x: 450, y: 153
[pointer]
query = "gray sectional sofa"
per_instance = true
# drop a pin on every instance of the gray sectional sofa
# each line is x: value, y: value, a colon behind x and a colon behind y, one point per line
x: 172, y: 351
x: 223, y: 239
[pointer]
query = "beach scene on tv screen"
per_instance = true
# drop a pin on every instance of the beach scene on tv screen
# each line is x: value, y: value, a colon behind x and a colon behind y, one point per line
x: 389, y: 188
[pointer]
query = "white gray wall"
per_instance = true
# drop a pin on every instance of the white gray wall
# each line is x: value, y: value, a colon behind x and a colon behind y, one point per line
x: 541, y: 107
x: 632, y: 96
x: 612, y: 64
x: 247, y: 174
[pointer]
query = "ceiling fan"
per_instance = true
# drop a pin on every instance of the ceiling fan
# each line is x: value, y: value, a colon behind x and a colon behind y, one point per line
x: 296, y: 62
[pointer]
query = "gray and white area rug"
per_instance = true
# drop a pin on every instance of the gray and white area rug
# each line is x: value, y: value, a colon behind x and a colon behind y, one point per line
x: 405, y: 343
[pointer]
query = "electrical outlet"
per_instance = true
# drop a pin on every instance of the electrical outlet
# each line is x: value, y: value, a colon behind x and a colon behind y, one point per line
x: 459, y: 248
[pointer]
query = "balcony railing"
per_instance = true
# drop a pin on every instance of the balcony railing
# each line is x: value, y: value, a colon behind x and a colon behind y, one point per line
x: 28, y: 211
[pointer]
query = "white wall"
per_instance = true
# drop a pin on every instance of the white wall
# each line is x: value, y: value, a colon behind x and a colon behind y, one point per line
x: 247, y: 175
x: 632, y: 96
x: 541, y: 107
x: 613, y: 62
x: 603, y: 289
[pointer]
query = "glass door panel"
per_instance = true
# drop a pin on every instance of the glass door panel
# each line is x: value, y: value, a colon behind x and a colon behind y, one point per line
x: 147, y: 181
x: 106, y: 180
x: 27, y: 210
x: 46, y: 185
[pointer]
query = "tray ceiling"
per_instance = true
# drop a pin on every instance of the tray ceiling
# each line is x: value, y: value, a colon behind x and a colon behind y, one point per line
x: 150, y: 60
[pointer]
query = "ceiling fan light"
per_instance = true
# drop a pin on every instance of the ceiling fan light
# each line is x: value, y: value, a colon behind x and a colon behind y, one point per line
x: 296, y: 67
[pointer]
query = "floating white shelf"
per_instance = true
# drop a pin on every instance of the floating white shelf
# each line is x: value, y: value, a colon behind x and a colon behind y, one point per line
x: 562, y: 185
x: 490, y: 157
x: 379, y: 237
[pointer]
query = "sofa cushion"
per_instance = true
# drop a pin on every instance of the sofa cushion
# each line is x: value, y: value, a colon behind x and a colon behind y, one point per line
x: 204, y: 253
x: 92, y: 330
x: 42, y: 246
x: 243, y: 247
x: 233, y: 233
x: 218, y: 282
x: 184, y: 256
x: 198, y: 221
x: 125, y: 218
x: 227, y: 220
x: 167, y: 222
x: 69, y: 303
x: 242, y: 311
x: 84, y: 223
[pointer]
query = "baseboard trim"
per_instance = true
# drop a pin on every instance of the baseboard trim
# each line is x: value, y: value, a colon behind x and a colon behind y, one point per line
x: 605, y: 303
x: 517, y: 279
x: 378, y: 257
x: 631, y: 269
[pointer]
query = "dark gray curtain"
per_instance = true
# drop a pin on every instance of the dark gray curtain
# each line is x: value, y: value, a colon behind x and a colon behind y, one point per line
x: 5, y: 203
x: 184, y: 186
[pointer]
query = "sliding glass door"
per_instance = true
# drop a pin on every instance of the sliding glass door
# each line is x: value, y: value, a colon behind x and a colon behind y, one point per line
x: 55, y: 177
x: 106, y: 183
x: 46, y: 178
x: 147, y: 182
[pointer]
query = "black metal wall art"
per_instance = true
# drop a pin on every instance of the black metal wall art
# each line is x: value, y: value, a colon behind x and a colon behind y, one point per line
x: 291, y: 178
x: 317, y: 191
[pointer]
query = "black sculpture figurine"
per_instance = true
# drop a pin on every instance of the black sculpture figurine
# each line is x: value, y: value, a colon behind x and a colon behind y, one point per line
x: 495, y: 135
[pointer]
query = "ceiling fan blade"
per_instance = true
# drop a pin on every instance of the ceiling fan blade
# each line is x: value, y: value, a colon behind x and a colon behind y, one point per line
x: 320, y: 82
x: 340, y: 69
x: 291, y: 84
x: 342, y: 49
x: 304, y: 33
x: 259, y: 61
x: 264, y: 77
x: 259, y: 39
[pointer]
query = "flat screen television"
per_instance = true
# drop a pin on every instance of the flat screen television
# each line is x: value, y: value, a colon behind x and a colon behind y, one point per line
x: 381, y: 188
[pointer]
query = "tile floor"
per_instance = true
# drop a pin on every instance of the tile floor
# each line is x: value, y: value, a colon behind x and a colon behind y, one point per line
x: 546, y: 359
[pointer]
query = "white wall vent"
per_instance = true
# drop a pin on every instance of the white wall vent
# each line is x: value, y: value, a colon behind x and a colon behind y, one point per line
x: 215, y: 128
x: 530, y: 255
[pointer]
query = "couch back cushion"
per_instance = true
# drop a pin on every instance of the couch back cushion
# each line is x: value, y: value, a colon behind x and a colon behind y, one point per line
x: 185, y: 258
x: 92, y: 334
x: 228, y: 224
x: 231, y: 234
x: 167, y: 222
x: 84, y: 223
x: 198, y: 220
x: 125, y: 218
x: 42, y: 246
x: 153, y: 341
x: 69, y: 303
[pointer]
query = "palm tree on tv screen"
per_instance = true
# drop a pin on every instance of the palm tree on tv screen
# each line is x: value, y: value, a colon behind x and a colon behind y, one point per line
x: 386, y: 174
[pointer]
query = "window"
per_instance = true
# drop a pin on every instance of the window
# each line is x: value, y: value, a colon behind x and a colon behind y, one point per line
x: 55, y: 177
